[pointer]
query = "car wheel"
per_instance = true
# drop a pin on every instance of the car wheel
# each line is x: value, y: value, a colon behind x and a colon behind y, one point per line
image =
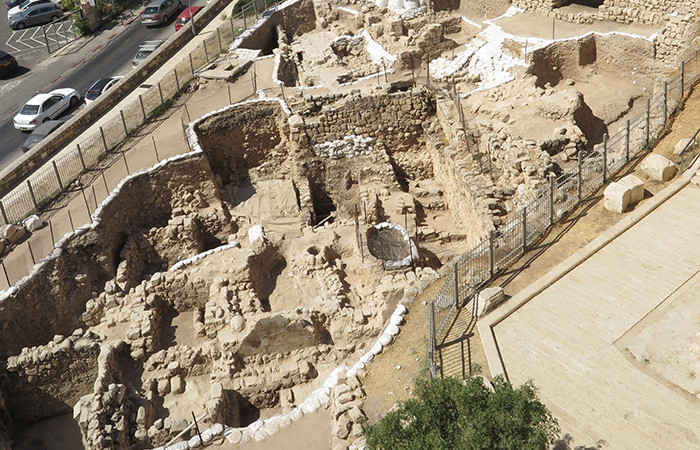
x: 46, y: 119
x: 54, y: 18
x: 73, y: 101
x: 165, y: 18
x: 21, y: 26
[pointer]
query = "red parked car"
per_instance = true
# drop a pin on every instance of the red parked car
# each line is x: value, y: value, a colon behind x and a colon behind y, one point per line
x: 185, y: 16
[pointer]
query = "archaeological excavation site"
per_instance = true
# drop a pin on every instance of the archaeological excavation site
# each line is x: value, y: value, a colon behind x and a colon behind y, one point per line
x: 255, y: 279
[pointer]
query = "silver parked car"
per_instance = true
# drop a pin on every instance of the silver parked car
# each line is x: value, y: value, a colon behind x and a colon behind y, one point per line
x: 158, y: 12
x: 36, y: 14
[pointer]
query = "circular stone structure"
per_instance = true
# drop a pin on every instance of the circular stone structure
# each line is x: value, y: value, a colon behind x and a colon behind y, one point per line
x: 391, y: 244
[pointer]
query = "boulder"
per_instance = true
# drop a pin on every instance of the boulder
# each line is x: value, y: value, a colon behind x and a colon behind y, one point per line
x: 488, y: 298
x: 616, y: 197
x: 32, y: 223
x: 636, y: 187
x: 658, y: 167
x: 13, y: 233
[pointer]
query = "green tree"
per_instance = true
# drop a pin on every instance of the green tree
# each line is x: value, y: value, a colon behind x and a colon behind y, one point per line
x: 448, y: 414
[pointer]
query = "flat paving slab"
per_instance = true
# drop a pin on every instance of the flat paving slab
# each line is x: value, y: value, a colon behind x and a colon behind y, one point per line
x: 613, y: 345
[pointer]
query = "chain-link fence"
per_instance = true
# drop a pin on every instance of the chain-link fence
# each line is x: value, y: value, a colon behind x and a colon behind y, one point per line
x: 51, y: 179
x: 505, y: 245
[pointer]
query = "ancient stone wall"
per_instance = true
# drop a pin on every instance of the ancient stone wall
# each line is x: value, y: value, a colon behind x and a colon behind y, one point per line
x: 48, y: 380
x: 296, y: 19
x: 456, y: 170
x: 52, y: 301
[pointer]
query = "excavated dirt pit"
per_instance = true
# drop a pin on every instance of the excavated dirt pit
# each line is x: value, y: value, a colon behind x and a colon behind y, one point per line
x: 229, y: 283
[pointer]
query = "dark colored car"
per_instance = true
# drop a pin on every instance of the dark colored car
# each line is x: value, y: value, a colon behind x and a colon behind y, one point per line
x: 40, y: 133
x: 13, y: 3
x: 184, y: 16
x: 8, y: 63
x: 98, y: 88
x: 33, y: 15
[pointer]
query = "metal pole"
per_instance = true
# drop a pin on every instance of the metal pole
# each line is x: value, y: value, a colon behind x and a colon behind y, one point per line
x: 126, y: 164
x: 31, y: 194
x: 155, y: 149
x: 80, y: 154
x: 627, y: 142
x: 104, y: 141
x: 126, y: 131
x: 70, y: 219
x: 188, y: 114
x: 4, y: 214
x: 229, y: 95
x: 523, y: 223
x: 58, y: 177
x: 191, y: 65
x: 177, y: 82
x: 197, y: 427
x: 94, y: 196
x: 233, y: 33
x: 206, y: 54
x: 4, y: 269
x: 87, y: 207
x: 682, y: 78
x: 665, y: 101
x: 53, y: 239
x: 160, y: 92
x: 143, y: 110
x: 386, y: 79
x: 194, y: 30
x: 605, y: 157
x: 455, y: 288
x: 553, y: 21
x: 647, y: 125
x: 550, y: 189
x: 579, y: 179
x: 218, y: 37
x: 46, y: 38
x: 105, y: 182
x: 491, y: 255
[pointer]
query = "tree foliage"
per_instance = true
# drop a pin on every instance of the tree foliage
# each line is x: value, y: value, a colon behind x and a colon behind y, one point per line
x: 448, y: 414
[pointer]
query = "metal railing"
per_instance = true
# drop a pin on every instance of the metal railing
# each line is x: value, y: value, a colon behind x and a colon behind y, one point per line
x: 504, y: 246
x: 50, y: 180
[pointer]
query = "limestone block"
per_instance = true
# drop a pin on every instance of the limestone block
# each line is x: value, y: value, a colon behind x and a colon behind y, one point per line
x: 681, y: 144
x: 658, y: 167
x: 163, y: 387
x: 616, y: 197
x: 341, y: 428
x: 32, y: 223
x: 141, y: 415
x: 13, y: 233
x: 488, y: 298
x: 177, y: 385
x: 636, y: 187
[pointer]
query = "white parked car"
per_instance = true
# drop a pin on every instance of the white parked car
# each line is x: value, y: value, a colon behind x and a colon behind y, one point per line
x: 43, y: 107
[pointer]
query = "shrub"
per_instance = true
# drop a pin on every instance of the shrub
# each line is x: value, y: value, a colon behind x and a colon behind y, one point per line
x: 448, y: 414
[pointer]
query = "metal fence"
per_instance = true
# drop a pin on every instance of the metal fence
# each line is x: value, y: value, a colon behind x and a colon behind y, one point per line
x: 60, y: 32
x: 504, y: 246
x: 51, y: 179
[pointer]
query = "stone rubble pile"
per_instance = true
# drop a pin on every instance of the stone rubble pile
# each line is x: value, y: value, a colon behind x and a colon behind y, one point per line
x: 347, y: 147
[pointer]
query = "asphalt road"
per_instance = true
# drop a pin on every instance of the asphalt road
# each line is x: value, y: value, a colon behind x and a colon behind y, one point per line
x: 110, y: 53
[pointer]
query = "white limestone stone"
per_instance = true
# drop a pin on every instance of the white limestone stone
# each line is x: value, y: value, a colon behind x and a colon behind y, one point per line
x: 636, y: 187
x: 488, y: 298
x: 616, y: 197
x: 658, y: 167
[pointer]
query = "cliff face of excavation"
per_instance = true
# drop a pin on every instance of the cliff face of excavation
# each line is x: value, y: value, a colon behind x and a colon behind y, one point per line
x: 233, y: 279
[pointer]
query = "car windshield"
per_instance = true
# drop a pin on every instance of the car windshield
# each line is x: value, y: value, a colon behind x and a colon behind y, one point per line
x: 29, y: 110
x: 24, y: 4
x: 151, y: 10
x: 183, y: 19
x: 142, y: 54
x: 33, y: 139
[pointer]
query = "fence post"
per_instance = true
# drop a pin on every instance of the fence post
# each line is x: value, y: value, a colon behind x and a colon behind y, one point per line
x: 126, y: 131
x: 218, y: 37
x: 87, y: 207
x: 155, y: 148
x: 206, y: 53
x: 233, y: 33
x: 4, y: 214
x: 523, y: 223
x: 647, y: 126
x: 177, y: 82
x: 80, y: 154
x: 491, y: 255
x: 627, y: 142
x: 126, y: 164
x: 682, y: 79
x: 456, y: 285
x: 160, y: 92
x: 31, y: 194
x: 550, y: 189
x: 143, y: 110
x: 58, y: 177
x: 665, y: 101
x: 191, y: 65
x: 605, y: 157
x: 579, y: 180
x: 46, y: 38
x: 4, y: 269
x: 104, y: 141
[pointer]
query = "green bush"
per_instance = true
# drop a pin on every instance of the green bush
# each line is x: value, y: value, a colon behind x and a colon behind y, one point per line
x: 82, y: 25
x: 448, y: 414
